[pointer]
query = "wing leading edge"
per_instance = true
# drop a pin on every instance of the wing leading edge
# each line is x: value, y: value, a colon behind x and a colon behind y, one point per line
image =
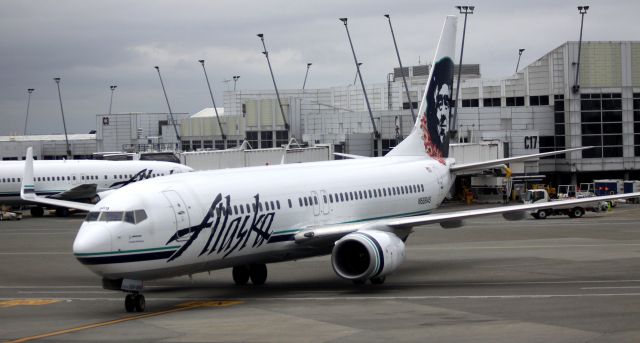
x: 330, y: 233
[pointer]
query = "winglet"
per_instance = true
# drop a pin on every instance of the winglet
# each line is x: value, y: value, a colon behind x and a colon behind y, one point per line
x: 27, y: 188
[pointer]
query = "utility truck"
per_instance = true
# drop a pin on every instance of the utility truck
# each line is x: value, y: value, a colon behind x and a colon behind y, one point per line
x: 534, y: 196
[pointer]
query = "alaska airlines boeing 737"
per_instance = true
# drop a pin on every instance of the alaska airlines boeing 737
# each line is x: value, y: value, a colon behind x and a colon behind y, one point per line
x: 359, y: 211
x: 78, y: 180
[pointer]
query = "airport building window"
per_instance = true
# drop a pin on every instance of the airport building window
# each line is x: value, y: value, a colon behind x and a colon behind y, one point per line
x: 470, y: 103
x: 186, y: 145
x: 491, y: 102
x: 282, y: 138
x: 539, y: 100
x: 252, y: 139
x: 266, y: 139
x: 405, y: 105
x: 636, y: 124
x: 601, y: 116
x: 219, y: 144
x: 515, y: 101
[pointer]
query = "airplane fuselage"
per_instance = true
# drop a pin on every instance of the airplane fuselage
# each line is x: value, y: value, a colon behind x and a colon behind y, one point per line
x: 54, y: 177
x: 217, y: 219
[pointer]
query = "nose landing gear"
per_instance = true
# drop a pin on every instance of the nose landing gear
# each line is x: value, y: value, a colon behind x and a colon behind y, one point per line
x: 256, y: 272
x: 134, y: 302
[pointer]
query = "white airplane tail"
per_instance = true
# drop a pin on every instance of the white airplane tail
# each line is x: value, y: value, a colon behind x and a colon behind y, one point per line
x: 430, y: 134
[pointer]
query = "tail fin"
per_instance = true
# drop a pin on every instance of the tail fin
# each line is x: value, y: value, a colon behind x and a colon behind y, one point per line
x: 430, y: 134
x: 27, y: 188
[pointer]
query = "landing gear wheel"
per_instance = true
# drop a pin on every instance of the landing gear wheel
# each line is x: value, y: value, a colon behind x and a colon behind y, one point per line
x: 139, y: 302
x: 378, y: 280
x: 258, y: 274
x: 240, y: 275
x: 62, y: 212
x: 37, y: 211
x: 129, y: 303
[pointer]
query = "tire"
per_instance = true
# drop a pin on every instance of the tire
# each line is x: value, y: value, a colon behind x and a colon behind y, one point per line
x: 240, y: 275
x: 139, y: 302
x: 542, y: 214
x: 577, y: 212
x: 378, y: 280
x: 258, y: 274
x: 129, y: 303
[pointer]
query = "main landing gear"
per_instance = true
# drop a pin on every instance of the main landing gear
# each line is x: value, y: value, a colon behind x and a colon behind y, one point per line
x: 134, y: 302
x: 256, y: 272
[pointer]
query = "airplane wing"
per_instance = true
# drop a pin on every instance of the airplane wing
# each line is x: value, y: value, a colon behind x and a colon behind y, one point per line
x: 27, y: 191
x: 85, y: 191
x: 331, y: 233
x: 457, y: 168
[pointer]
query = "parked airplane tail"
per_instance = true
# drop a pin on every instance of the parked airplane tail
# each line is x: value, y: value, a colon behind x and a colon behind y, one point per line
x: 430, y: 134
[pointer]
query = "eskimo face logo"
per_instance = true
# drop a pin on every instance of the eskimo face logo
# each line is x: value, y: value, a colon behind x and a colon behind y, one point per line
x: 435, y: 121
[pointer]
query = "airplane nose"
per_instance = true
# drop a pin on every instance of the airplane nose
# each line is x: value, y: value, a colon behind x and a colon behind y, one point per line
x: 92, y: 239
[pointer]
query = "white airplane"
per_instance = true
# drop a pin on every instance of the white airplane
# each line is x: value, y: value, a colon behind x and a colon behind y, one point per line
x: 78, y: 180
x: 360, y: 211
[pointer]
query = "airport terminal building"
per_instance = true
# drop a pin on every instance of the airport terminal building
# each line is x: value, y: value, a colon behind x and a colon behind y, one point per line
x: 543, y: 107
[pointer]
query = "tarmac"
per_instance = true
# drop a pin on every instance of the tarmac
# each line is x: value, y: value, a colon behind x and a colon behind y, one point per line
x: 552, y: 280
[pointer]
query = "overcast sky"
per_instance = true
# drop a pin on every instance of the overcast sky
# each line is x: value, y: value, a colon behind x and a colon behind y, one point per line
x: 94, y: 44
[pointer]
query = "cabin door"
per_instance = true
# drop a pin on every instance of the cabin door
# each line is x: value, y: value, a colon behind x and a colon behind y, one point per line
x: 181, y: 215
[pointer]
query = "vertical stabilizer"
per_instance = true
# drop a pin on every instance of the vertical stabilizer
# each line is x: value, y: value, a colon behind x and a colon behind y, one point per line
x: 430, y: 134
x: 28, y: 186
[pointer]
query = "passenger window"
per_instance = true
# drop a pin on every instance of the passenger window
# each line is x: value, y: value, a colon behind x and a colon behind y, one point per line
x: 235, y: 209
x: 300, y: 201
x: 370, y: 195
x: 273, y: 208
x: 92, y: 216
x: 248, y: 208
x: 324, y: 197
x: 266, y: 204
x: 384, y: 192
x: 306, y: 202
x: 129, y: 218
x: 315, y: 200
x: 341, y: 197
x: 289, y: 201
x: 140, y: 215
x: 278, y: 203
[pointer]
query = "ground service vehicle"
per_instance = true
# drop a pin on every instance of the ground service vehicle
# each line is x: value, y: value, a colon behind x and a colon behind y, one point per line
x: 534, y: 196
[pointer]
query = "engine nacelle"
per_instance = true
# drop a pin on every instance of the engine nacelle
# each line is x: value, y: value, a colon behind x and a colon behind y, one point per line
x: 367, y: 254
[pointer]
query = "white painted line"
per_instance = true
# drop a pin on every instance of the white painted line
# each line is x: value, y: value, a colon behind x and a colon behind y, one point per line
x: 619, y: 287
x: 367, y: 298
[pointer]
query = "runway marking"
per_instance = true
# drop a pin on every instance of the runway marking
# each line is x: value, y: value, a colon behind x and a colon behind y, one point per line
x: 612, y: 287
x: 27, y: 302
x: 369, y: 298
x: 177, y: 308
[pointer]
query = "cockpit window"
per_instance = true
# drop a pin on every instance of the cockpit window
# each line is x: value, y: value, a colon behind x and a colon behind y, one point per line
x: 140, y: 215
x: 128, y: 217
x: 92, y: 216
x: 111, y: 216
x: 132, y: 217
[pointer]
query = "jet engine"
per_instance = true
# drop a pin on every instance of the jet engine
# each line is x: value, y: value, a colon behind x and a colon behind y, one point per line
x: 367, y: 254
x: 101, y: 195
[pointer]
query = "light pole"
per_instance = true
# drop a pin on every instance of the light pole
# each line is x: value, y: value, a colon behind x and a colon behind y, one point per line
x: 113, y: 88
x: 30, y: 90
x: 224, y: 137
x: 520, y: 51
x: 266, y: 54
x: 175, y: 128
x: 235, y: 79
x: 355, y: 77
x: 582, y: 10
x: 453, y: 131
x: 305, y: 76
x: 64, y: 125
x: 404, y: 79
